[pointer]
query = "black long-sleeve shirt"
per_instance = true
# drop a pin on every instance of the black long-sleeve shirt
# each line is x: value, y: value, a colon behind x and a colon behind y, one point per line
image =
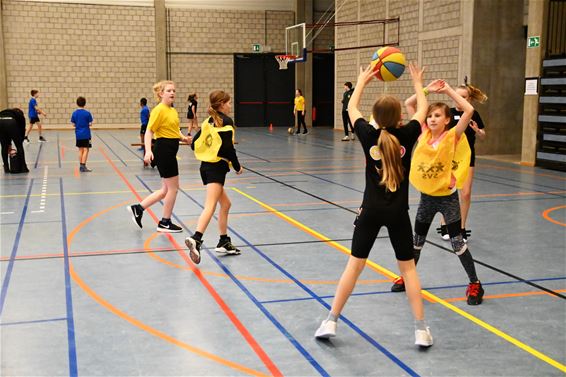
x: 18, y: 116
x: 226, y: 151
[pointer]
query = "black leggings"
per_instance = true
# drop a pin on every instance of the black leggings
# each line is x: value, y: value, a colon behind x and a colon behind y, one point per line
x: 301, y: 120
x: 347, y: 122
x: 369, y: 222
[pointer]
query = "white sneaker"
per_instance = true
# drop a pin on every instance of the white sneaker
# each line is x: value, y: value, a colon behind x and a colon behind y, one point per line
x: 326, y: 330
x: 345, y: 138
x: 446, y: 237
x: 423, y: 338
x: 352, y: 137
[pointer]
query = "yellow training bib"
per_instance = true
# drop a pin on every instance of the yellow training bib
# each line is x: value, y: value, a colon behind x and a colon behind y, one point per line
x: 209, y: 142
x: 432, y: 168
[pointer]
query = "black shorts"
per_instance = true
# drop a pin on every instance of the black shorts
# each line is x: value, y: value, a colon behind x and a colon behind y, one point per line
x: 214, y: 172
x: 369, y: 222
x: 165, y: 157
x: 83, y: 143
x: 190, y: 116
x: 143, y: 129
x: 33, y: 120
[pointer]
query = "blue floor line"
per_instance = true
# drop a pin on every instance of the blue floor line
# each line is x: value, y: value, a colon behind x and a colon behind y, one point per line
x: 33, y: 322
x: 8, y: 273
x: 329, y: 181
x: 127, y: 147
x: 58, y: 150
x: 306, y: 289
x: 111, y: 150
x: 37, y: 157
x: 424, y: 288
x: 68, y: 294
x: 269, y: 316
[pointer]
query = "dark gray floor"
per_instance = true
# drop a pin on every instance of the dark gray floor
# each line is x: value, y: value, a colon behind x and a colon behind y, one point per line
x: 85, y: 292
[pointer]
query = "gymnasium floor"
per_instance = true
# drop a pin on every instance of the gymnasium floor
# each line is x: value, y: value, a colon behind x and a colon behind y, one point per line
x: 86, y: 292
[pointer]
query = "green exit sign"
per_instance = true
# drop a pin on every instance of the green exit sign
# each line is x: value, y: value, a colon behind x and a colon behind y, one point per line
x: 533, y: 42
x: 256, y: 47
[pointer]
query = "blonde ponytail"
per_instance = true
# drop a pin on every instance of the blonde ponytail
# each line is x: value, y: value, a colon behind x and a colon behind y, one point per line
x: 475, y: 94
x: 391, y: 164
x: 216, y: 99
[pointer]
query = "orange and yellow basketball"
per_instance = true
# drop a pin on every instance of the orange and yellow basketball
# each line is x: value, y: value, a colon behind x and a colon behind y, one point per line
x: 388, y: 63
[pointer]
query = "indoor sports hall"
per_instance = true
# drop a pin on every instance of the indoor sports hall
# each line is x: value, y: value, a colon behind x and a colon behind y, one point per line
x: 86, y: 292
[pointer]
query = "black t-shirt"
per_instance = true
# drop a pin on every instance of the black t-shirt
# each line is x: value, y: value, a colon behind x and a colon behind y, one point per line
x: 470, y: 133
x: 190, y: 112
x: 18, y: 117
x: 375, y: 194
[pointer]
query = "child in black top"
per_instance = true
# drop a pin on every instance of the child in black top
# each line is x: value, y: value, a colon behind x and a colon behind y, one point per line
x: 13, y: 129
x: 192, y: 113
x: 475, y: 128
x: 213, y: 170
x: 387, y: 148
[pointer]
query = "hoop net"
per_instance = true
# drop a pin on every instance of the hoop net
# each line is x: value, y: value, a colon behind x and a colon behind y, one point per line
x: 283, y: 60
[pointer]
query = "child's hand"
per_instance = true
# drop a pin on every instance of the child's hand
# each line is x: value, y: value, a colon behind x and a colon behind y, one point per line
x: 187, y: 139
x: 241, y: 171
x: 366, y: 75
x: 435, y: 85
x: 148, y: 157
x: 444, y: 88
x: 416, y: 73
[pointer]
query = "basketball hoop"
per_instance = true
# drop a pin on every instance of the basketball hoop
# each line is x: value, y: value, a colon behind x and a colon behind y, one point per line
x: 283, y: 60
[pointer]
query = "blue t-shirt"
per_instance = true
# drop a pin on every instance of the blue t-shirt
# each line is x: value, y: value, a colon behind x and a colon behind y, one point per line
x: 32, y: 112
x: 144, y: 115
x: 82, y: 119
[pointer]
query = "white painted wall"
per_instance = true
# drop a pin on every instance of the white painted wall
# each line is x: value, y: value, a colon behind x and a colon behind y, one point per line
x: 202, y: 4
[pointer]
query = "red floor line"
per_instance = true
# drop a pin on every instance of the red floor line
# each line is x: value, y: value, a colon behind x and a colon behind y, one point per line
x: 225, y: 308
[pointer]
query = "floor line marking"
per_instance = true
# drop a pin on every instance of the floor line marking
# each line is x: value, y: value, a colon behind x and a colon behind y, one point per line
x: 13, y: 254
x: 546, y: 215
x: 73, y: 370
x: 214, y: 294
x: 33, y: 321
x: 427, y: 294
x: 134, y: 321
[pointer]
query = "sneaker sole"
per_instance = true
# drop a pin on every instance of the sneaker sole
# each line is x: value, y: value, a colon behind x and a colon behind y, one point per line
x: 325, y: 335
x: 222, y: 250
x: 164, y: 230
x: 193, y: 253
x: 397, y: 288
x: 424, y: 344
x: 129, y: 209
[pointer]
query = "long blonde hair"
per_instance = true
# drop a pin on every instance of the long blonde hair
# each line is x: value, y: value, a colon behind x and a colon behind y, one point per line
x: 387, y: 113
x: 217, y: 98
x: 159, y: 87
x: 475, y: 94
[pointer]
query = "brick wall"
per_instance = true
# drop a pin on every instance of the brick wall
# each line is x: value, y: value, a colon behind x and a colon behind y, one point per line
x: 195, y: 33
x: 105, y: 53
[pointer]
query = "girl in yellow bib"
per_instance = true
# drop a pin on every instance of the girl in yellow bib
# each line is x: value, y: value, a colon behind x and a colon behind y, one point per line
x: 439, y: 166
x: 164, y: 126
x: 214, y: 147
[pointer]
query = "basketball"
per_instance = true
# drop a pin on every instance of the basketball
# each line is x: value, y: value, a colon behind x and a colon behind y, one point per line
x: 388, y: 63
x: 290, y: 130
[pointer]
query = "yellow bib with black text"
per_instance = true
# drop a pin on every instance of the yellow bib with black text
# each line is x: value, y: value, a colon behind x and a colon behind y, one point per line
x: 209, y: 142
x: 432, y: 168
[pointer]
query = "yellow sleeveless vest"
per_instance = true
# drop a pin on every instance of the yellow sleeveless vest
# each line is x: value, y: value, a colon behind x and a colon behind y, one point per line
x: 432, y: 169
x: 209, y: 142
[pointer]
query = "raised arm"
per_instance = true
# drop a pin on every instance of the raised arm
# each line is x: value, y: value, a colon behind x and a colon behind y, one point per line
x: 411, y: 102
x: 467, y: 108
x: 364, y: 78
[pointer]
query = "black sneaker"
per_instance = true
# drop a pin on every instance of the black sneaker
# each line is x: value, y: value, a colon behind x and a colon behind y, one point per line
x: 398, y: 285
x: 225, y: 246
x: 194, y: 249
x: 474, y: 293
x: 466, y: 234
x: 168, y: 227
x: 137, y: 214
x: 42, y: 139
x: 84, y: 169
x: 26, y: 139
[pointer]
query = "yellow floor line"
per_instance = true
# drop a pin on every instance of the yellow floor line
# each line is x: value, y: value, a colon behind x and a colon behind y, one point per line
x: 425, y: 293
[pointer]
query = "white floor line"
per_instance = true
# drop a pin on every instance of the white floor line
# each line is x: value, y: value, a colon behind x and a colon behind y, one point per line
x: 43, y: 199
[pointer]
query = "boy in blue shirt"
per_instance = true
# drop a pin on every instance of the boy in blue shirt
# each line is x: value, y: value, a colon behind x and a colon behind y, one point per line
x: 82, y: 120
x: 33, y: 113
x: 144, y: 119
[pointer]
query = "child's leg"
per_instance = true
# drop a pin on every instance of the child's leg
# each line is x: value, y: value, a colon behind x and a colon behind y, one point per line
x: 225, y: 205
x: 213, y: 192
x: 466, y: 196
x: 86, y: 155
x: 425, y: 214
x: 408, y: 271
x: 155, y: 196
x: 346, y: 285
x: 172, y: 186
x: 39, y: 128
x: 28, y: 130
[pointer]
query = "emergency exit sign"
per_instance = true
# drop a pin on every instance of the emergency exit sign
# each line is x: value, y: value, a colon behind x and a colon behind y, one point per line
x: 256, y: 47
x: 533, y: 42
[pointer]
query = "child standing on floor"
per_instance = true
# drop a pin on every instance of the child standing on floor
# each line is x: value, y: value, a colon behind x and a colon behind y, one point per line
x: 144, y: 119
x: 476, y: 128
x: 82, y: 121
x: 213, y: 145
x: 33, y: 113
x: 299, y: 111
x: 164, y: 124
x: 440, y: 164
x: 387, y: 148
